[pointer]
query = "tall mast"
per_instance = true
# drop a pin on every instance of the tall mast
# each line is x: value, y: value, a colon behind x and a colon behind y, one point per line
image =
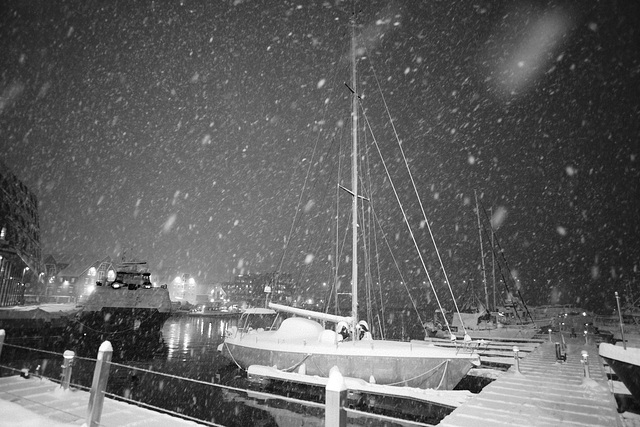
x: 484, y: 273
x: 354, y: 183
x: 493, y: 260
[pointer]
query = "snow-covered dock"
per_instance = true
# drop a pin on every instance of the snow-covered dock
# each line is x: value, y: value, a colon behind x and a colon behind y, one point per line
x: 546, y: 392
x: 38, y: 402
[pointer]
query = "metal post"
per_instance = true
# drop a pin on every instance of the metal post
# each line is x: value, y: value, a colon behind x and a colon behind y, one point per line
x: 585, y: 363
x: 335, y: 400
x: 559, y: 356
x: 624, y: 343
x: 66, y: 368
x: 99, y: 385
x: 516, y: 350
x: 2, y: 335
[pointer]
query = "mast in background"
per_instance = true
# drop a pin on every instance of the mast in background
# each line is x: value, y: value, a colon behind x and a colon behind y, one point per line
x: 484, y: 273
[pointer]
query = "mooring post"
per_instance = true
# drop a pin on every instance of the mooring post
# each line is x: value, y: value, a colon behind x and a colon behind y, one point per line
x: 516, y: 355
x: 559, y: 356
x: 2, y: 334
x: 585, y: 363
x: 624, y: 343
x: 99, y: 384
x: 335, y: 400
x: 68, y: 356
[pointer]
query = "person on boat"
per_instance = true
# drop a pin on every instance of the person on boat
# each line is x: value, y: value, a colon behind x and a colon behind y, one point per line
x: 343, y: 331
x: 363, y: 331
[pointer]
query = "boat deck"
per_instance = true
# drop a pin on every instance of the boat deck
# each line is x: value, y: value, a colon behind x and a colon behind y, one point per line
x: 544, y: 393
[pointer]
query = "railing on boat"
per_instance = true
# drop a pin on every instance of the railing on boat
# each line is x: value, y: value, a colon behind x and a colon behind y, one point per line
x: 335, y: 406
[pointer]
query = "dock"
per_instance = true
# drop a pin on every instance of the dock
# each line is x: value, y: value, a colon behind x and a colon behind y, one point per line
x: 449, y: 398
x: 44, y: 402
x: 545, y: 392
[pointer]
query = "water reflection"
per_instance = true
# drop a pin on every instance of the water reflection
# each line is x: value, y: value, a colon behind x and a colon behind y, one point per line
x: 187, y: 337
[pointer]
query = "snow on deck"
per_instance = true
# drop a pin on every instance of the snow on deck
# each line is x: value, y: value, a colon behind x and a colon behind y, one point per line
x: 629, y: 355
x: 544, y: 393
x: 43, y: 402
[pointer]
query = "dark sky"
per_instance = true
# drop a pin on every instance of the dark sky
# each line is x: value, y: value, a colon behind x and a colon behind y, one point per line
x: 181, y: 132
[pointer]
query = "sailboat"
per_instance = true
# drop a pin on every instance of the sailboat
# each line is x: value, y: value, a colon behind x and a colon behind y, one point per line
x: 301, y: 344
x: 624, y: 359
x: 511, y: 321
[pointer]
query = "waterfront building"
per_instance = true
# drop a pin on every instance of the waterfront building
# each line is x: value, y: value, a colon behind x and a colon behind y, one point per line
x: 253, y: 290
x: 20, y: 254
x: 71, y: 278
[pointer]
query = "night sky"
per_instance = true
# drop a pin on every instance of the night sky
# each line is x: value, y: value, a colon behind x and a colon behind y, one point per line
x: 181, y: 132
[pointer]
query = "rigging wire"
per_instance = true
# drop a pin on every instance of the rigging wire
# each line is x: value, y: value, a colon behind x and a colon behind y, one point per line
x: 395, y: 261
x: 421, y: 208
x: 406, y: 220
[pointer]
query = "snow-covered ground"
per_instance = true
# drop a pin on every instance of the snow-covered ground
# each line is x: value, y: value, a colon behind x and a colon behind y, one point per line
x: 14, y: 415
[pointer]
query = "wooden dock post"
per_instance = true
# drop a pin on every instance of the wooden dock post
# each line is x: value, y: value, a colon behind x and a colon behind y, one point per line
x: 516, y: 355
x: 585, y: 363
x: 2, y: 334
x: 335, y: 400
x: 68, y: 356
x: 560, y: 356
x: 99, y: 384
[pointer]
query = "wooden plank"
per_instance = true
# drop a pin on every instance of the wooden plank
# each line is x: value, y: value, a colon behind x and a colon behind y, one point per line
x: 45, y: 398
x: 545, y: 393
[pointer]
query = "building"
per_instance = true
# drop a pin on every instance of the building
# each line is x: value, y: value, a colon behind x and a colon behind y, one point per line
x: 20, y: 254
x: 186, y: 290
x: 253, y: 290
x: 72, y: 277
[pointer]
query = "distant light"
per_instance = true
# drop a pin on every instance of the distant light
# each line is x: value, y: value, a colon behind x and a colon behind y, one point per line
x: 116, y: 285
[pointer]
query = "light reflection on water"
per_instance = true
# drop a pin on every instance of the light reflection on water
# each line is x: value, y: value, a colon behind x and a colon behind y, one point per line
x: 187, y: 336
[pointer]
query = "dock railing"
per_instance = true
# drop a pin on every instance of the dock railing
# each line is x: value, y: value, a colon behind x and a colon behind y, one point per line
x: 335, y: 407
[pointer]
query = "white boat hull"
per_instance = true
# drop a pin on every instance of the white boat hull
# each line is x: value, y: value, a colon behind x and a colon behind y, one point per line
x: 625, y: 363
x: 376, y: 361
